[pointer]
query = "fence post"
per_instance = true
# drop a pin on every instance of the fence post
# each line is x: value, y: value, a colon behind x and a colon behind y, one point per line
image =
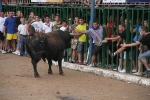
x: 0, y: 5
x: 127, y: 40
x: 91, y: 24
x: 148, y: 20
x: 104, y: 35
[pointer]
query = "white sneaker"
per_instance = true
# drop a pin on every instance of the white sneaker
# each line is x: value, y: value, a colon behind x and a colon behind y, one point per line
x: 9, y: 51
x: 119, y: 68
x: 17, y: 52
x: 91, y: 65
x: 137, y: 74
x: 123, y: 71
x: 133, y: 71
x: 3, y: 51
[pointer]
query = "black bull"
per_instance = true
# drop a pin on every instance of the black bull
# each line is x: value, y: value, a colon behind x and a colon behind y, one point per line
x: 50, y: 46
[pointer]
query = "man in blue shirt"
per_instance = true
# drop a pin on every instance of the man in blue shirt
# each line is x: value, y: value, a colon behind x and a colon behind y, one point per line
x: 10, y: 25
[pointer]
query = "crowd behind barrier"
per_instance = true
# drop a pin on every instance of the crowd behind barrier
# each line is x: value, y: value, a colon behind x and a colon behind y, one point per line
x: 107, y: 33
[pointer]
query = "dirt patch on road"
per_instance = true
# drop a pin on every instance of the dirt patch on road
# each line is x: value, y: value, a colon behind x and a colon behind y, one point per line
x: 17, y: 82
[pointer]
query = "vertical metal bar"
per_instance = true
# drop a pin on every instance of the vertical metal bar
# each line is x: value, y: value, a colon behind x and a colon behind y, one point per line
x: 112, y: 60
x: 123, y: 15
x: 99, y: 17
x: 149, y: 20
x: 75, y: 12
x: 117, y: 27
x: 127, y: 40
x: 108, y: 20
x: 71, y: 16
x: 91, y: 23
x: 54, y: 11
x: 142, y: 17
x: 104, y: 35
x: 137, y: 32
x: 0, y: 5
x: 132, y: 37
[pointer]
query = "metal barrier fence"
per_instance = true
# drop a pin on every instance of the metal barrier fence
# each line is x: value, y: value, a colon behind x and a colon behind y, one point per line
x: 114, y: 16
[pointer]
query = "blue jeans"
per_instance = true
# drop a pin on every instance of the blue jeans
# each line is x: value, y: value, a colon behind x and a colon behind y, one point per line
x: 22, y: 43
x: 144, y: 55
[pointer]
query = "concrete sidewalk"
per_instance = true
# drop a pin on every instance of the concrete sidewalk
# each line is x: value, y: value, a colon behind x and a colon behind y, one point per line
x: 108, y: 73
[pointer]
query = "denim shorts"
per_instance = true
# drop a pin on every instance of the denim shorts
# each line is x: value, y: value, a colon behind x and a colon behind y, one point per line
x: 18, y: 43
x: 144, y: 55
x: 81, y: 47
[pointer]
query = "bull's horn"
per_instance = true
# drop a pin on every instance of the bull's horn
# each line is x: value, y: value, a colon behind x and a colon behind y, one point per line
x: 73, y: 34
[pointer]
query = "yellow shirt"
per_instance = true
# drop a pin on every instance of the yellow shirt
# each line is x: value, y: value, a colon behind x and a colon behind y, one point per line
x: 80, y: 27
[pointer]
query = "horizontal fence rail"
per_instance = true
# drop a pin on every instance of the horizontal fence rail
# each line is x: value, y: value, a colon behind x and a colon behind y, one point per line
x: 74, y: 2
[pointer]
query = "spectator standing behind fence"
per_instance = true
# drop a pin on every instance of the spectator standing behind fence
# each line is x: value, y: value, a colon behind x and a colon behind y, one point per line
x: 22, y: 36
x: 81, y: 41
x: 10, y: 25
x: 47, y: 25
x: 57, y: 24
x: 17, y: 52
x: 74, y: 40
x: 145, y: 41
x: 2, y: 20
x: 37, y: 24
x: 122, y: 36
x: 96, y: 33
x: 64, y: 26
x: 140, y: 49
x: 110, y: 26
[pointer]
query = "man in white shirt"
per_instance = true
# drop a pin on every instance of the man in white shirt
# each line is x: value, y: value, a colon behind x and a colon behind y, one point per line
x: 2, y: 20
x: 37, y: 24
x: 22, y: 35
x: 47, y: 25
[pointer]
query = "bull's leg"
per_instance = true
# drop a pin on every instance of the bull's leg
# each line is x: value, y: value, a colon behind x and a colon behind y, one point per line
x: 50, y: 64
x: 60, y: 63
x: 34, y: 63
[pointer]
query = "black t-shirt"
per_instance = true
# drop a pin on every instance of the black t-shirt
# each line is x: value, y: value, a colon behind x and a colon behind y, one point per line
x: 146, y: 41
x: 18, y: 21
x: 123, y: 35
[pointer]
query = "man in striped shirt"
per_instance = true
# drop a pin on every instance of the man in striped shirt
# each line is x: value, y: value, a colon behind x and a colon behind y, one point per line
x: 96, y: 33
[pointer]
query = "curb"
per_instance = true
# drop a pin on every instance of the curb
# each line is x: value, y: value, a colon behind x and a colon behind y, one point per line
x: 108, y: 73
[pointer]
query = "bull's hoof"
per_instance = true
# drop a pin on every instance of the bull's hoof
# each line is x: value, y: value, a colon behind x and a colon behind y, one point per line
x: 50, y: 73
x: 62, y: 74
x: 36, y: 75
